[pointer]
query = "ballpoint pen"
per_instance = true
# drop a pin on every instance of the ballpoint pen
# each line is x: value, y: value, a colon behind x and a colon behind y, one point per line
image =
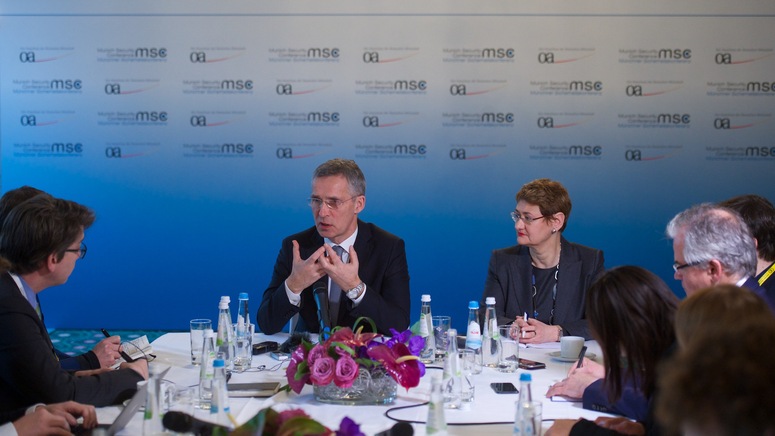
x: 125, y: 356
x: 525, y: 317
x: 581, y: 356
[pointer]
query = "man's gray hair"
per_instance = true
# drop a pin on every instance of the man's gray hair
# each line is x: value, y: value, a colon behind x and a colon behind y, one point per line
x: 347, y: 168
x: 714, y: 232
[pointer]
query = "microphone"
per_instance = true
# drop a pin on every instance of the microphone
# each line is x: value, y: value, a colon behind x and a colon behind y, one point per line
x: 398, y: 429
x: 320, y: 292
x: 184, y: 423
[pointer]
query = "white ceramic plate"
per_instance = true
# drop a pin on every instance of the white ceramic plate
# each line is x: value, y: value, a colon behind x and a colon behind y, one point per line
x: 556, y: 356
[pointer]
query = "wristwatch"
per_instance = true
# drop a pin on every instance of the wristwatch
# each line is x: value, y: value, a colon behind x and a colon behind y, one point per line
x: 559, y: 336
x: 356, y: 291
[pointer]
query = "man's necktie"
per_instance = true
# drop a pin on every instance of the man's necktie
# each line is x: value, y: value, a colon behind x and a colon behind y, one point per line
x: 335, y: 293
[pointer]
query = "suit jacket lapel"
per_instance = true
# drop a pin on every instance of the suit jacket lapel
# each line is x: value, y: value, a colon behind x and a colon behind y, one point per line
x: 524, y: 271
x: 568, y: 279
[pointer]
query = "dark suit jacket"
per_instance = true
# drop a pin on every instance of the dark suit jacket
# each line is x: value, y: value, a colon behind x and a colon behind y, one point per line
x: 752, y: 284
x: 509, y: 279
x: 29, y: 370
x: 382, y: 267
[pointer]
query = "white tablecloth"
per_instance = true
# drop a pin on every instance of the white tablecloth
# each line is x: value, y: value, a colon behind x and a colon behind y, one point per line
x: 173, y: 350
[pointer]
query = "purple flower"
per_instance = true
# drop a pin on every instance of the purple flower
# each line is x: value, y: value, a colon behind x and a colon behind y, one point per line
x: 291, y: 372
x: 323, y: 371
x: 416, y: 344
x: 346, y: 371
x: 348, y: 427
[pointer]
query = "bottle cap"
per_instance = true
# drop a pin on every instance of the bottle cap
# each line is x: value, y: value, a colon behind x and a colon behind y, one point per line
x: 243, y: 296
x: 525, y: 377
x: 218, y: 363
x: 223, y: 305
x: 226, y: 298
x: 473, y: 304
x: 489, y: 301
x: 426, y: 298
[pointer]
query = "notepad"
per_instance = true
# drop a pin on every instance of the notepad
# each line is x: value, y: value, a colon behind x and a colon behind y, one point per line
x: 260, y: 389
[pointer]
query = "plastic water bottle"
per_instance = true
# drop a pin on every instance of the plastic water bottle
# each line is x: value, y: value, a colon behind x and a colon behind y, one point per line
x: 206, y: 370
x: 219, y: 408
x: 490, y: 335
x: 525, y: 418
x: 436, y: 423
x: 225, y: 339
x: 428, y: 353
x: 243, y: 335
x: 452, y: 384
x: 474, y: 335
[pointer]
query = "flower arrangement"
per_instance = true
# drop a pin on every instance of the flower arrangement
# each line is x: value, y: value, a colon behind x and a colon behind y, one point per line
x: 345, y: 352
x: 290, y: 422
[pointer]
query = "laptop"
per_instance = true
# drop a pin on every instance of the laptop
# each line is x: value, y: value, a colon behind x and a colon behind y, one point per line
x: 126, y: 415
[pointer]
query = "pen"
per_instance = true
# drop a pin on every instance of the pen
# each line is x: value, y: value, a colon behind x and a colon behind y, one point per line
x: 581, y: 356
x: 525, y: 316
x: 125, y: 356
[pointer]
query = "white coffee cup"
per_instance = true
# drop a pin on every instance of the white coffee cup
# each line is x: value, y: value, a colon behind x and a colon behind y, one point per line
x: 570, y: 346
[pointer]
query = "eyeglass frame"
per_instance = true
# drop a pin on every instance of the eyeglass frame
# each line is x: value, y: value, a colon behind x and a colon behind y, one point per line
x: 80, y: 250
x: 679, y: 266
x: 335, y: 204
x: 516, y: 216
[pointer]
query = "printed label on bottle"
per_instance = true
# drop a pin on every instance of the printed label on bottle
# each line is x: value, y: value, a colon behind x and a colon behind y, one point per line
x: 424, y: 326
x: 474, y: 336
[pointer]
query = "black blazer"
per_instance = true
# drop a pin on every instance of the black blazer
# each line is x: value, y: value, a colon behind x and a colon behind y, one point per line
x: 382, y: 268
x: 29, y: 369
x: 509, y: 279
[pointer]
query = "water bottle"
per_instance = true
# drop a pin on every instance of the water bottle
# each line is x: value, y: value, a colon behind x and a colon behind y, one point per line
x: 474, y: 335
x: 527, y: 420
x: 428, y: 353
x: 490, y: 335
x: 206, y: 370
x: 152, y: 417
x: 243, y: 335
x: 225, y: 339
x: 219, y: 409
x: 452, y: 383
x: 436, y: 424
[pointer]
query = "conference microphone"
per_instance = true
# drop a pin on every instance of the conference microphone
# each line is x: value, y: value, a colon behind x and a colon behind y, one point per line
x: 320, y: 292
x: 398, y: 429
x: 184, y: 423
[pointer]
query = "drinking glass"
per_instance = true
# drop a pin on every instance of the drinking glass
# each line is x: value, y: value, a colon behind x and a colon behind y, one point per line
x: 198, y: 327
x: 441, y: 325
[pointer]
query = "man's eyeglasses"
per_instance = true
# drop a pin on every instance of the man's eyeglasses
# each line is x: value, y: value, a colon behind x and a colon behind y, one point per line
x: 515, y: 216
x: 315, y: 202
x: 679, y: 266
x: 81, y: 251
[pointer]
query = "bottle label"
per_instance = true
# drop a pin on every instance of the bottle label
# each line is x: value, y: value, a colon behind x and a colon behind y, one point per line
x: 424, y: 326
x: 473, y: 336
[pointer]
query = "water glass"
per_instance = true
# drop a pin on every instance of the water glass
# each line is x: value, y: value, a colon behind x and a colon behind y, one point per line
x: 468, y: 366
x: 198, y: 327
x: 244, y: 347
x: 441, y: 325
x: 508, y: 360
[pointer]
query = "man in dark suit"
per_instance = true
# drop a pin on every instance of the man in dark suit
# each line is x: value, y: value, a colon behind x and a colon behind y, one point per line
x: 370, y: 277
x: 40, y: 242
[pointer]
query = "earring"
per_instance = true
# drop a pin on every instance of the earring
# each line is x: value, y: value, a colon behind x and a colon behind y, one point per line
x: 554, y: 231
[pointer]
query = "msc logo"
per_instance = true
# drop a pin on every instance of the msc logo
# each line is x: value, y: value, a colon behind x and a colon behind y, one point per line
x: 237, y: 148
x: 370, y: 121
x: 760, y: 87
x: 66, y: 84
x: 28, y: 120
x: 578, y: 85
x: 112, y: 152
x: 151, y: 116
x: 323, y: 117
x: 674, y: 119
x: 498, y: 118
x: 410, y: 149
x: 585, y: 150
x: 676, y: 54
x: 498, y: 53
x: 237, y: 85
x: 67, y: 148
x: 151, y: 53
x: 323, y: 53
x: 760, y: 151
x: 410, y: 85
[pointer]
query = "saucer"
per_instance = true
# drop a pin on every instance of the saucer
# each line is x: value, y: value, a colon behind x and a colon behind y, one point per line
x: 556, y: 356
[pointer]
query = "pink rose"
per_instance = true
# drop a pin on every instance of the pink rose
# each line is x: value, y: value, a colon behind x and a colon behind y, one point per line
x: 323, y: 371
x: 346, y: 371
x: 316, y: 352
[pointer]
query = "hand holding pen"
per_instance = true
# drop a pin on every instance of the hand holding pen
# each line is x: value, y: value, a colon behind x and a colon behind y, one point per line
x: 125, y: 356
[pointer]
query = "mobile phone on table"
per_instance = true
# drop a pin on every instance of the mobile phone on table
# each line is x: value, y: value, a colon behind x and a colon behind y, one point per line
x: 531, y: 364
x: 264, y: 347
x: 504, y: 388
x: 276, y: 355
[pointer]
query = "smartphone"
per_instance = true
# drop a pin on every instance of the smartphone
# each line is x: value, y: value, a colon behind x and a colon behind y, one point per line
x: 504, y: 388
x: 276, y: 355
x: 531, y: 364
x: 264, y: 347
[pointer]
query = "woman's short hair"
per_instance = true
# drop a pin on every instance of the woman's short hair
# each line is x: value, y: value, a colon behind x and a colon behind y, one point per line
x: 550, y: 197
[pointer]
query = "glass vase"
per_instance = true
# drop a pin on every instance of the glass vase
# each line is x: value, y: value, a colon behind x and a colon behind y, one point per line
x: 370, y: 387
